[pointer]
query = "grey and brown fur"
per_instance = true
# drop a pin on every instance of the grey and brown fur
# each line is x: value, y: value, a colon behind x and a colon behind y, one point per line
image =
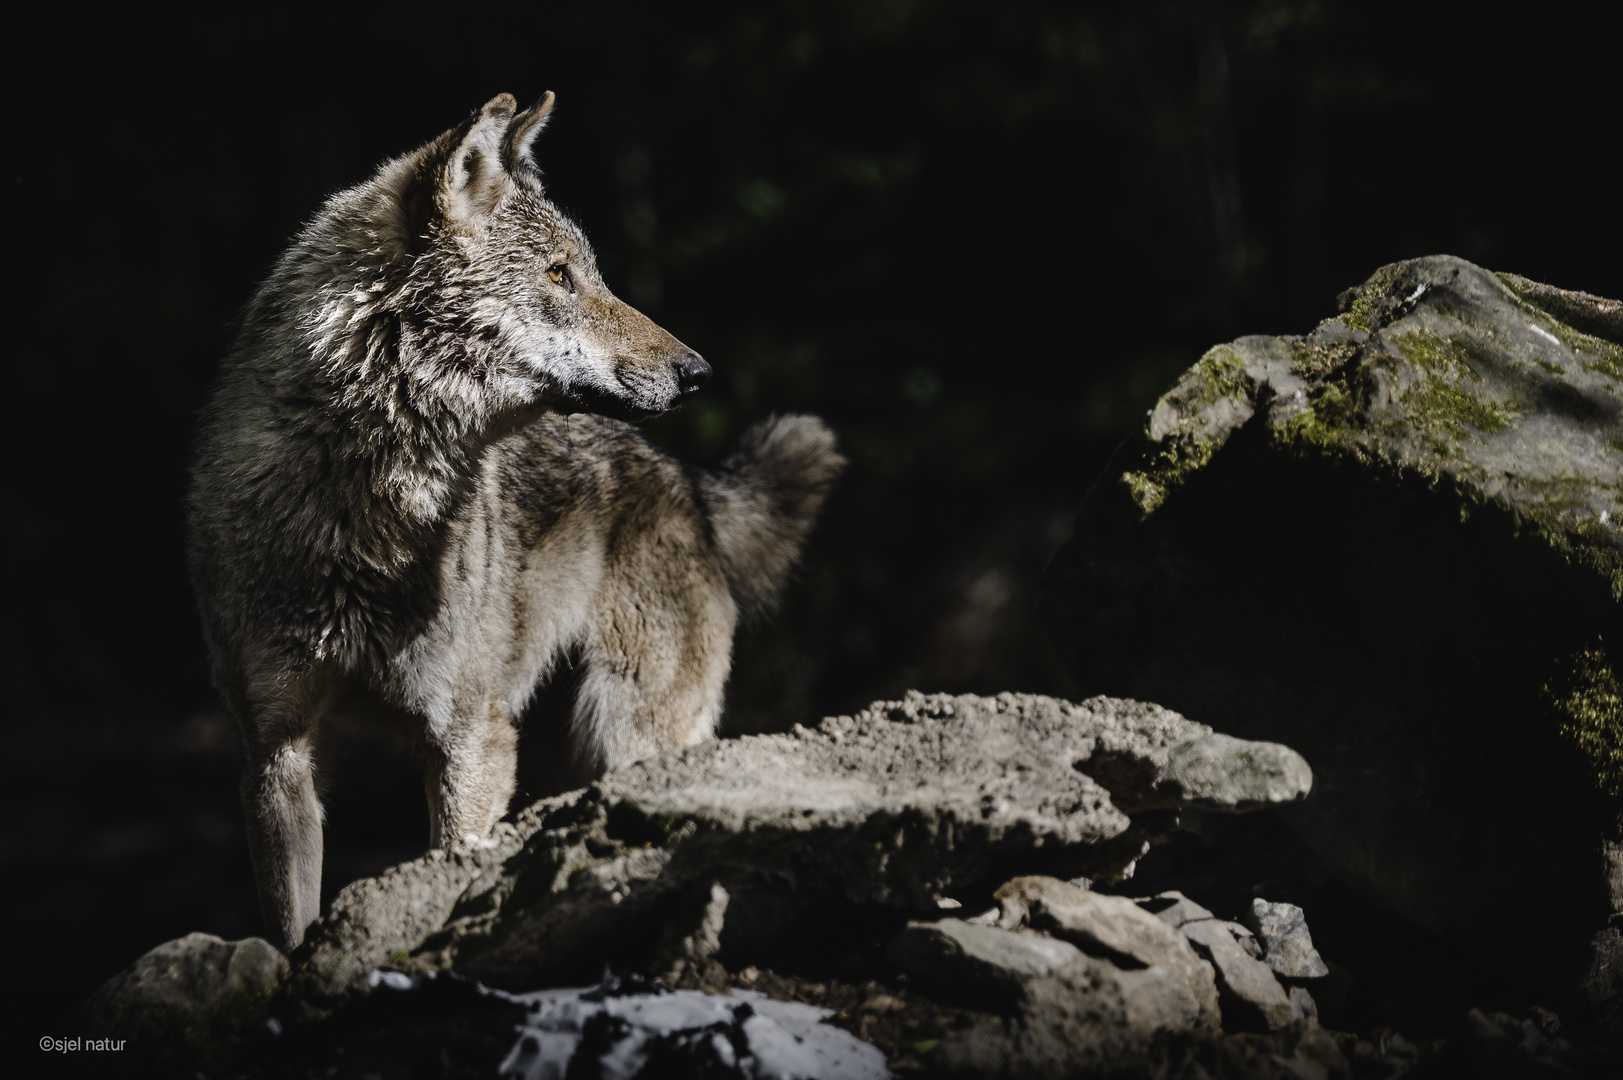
x: 406, y: 501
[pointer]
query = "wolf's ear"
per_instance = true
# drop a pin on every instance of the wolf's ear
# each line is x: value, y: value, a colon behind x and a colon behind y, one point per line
x: 516, y: 147
x: 474, y: 174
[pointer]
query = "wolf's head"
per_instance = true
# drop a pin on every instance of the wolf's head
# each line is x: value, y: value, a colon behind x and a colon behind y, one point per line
x: 495, y: 292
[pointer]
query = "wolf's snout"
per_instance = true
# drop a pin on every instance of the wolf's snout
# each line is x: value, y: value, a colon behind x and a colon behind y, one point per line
x: 691, y: 373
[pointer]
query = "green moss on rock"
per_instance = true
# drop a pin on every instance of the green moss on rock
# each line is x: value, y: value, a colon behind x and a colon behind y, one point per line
x: 1222, y: 370
x: 1323, y: 424
x: 1361, y: 307
x: 1443, y: 403
x: 1219, y: 374
x: 1166, y: 471
x: 1588, y: 698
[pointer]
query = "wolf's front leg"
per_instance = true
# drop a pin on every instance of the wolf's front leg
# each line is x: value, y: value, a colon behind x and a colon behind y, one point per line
x: 471, y: 774
x: 284, y: 816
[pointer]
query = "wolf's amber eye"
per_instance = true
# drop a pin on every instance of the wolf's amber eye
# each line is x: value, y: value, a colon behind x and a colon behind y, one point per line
x: 556, y: 273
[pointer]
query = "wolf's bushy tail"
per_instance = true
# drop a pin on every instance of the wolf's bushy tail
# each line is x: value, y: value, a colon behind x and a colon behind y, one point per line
x: 763, y: 500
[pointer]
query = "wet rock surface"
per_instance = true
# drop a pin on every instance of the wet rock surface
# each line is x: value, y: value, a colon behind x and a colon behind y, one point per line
x: 1394, y: 544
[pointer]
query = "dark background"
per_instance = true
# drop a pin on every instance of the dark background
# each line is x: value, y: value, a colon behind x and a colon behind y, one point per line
x: 979, y: 239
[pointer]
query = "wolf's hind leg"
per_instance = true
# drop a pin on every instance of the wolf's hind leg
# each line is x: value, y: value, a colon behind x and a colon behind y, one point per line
x: 284, y: 834
x: 471, y: 775
x: 655, y: 672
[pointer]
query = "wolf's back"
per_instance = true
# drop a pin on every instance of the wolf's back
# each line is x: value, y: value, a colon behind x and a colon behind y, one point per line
x: 763, y: 500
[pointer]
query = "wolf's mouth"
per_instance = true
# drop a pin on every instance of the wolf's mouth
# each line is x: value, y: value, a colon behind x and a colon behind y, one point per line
x: 589, y: 399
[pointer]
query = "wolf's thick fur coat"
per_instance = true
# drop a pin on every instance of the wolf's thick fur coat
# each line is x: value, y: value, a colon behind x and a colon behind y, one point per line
x: 407, y: 501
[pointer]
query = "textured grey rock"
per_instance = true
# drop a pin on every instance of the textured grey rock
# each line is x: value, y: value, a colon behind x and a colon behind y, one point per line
x: 893, y: 806
x: 1395, y: 544
x: 1082, y: 1015
x: 1287, y: 947
x: 746, y: 1035
x: 377, y: 921
x: 1220, y: 772
x: 689, y: 949
x: 184, y: 1002
x: 1303, y: 1007
x: 985, y: 966
x: 1252, y: 998
x: 1111, y: 927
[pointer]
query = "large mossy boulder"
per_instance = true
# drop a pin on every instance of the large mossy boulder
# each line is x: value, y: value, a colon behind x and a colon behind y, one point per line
x: 1394, y: 545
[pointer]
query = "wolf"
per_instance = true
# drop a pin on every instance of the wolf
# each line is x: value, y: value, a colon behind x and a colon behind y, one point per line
x: 417, y: 488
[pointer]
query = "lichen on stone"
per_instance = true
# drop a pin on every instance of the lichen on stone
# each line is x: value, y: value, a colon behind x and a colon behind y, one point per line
x: 1322, y: 425
x: 1310, y: 359
x: 1588, y: 697
x: 1360, y: 305
x: 1583, y: 542
x: 1186, y: 449
x: 1167, y: 470
x: 1447, y: 400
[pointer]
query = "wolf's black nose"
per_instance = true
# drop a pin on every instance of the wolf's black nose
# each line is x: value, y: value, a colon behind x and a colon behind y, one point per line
x: 692, y: 373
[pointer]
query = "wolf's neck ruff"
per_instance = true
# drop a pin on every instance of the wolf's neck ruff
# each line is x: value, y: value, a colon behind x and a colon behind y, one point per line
x: 402, y: 378
x: 372, y: 457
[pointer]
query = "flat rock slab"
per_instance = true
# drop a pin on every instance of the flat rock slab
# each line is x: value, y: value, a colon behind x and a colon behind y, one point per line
x: 895, y: 806
x: 1070, y: 1022
x: 984, y: 966
x: 1395, y: 544
x: 1113, y: 928
x: 1252, y: 998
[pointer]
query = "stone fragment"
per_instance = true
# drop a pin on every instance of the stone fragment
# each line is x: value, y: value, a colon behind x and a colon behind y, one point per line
x: 953, y: 960
x: 1251, y: 997
x: 1303, y: 1007
x: 883, y: 1003
x: 185, y: 1001
x: 1173, y: 908
x: 690, y: 945
x: 1245, y: 939
x: 1287, y: 947
x: 1111, y: 927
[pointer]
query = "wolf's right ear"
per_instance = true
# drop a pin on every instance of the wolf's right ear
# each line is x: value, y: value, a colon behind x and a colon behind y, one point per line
x: 475, y: 174
x: 516, y: 147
